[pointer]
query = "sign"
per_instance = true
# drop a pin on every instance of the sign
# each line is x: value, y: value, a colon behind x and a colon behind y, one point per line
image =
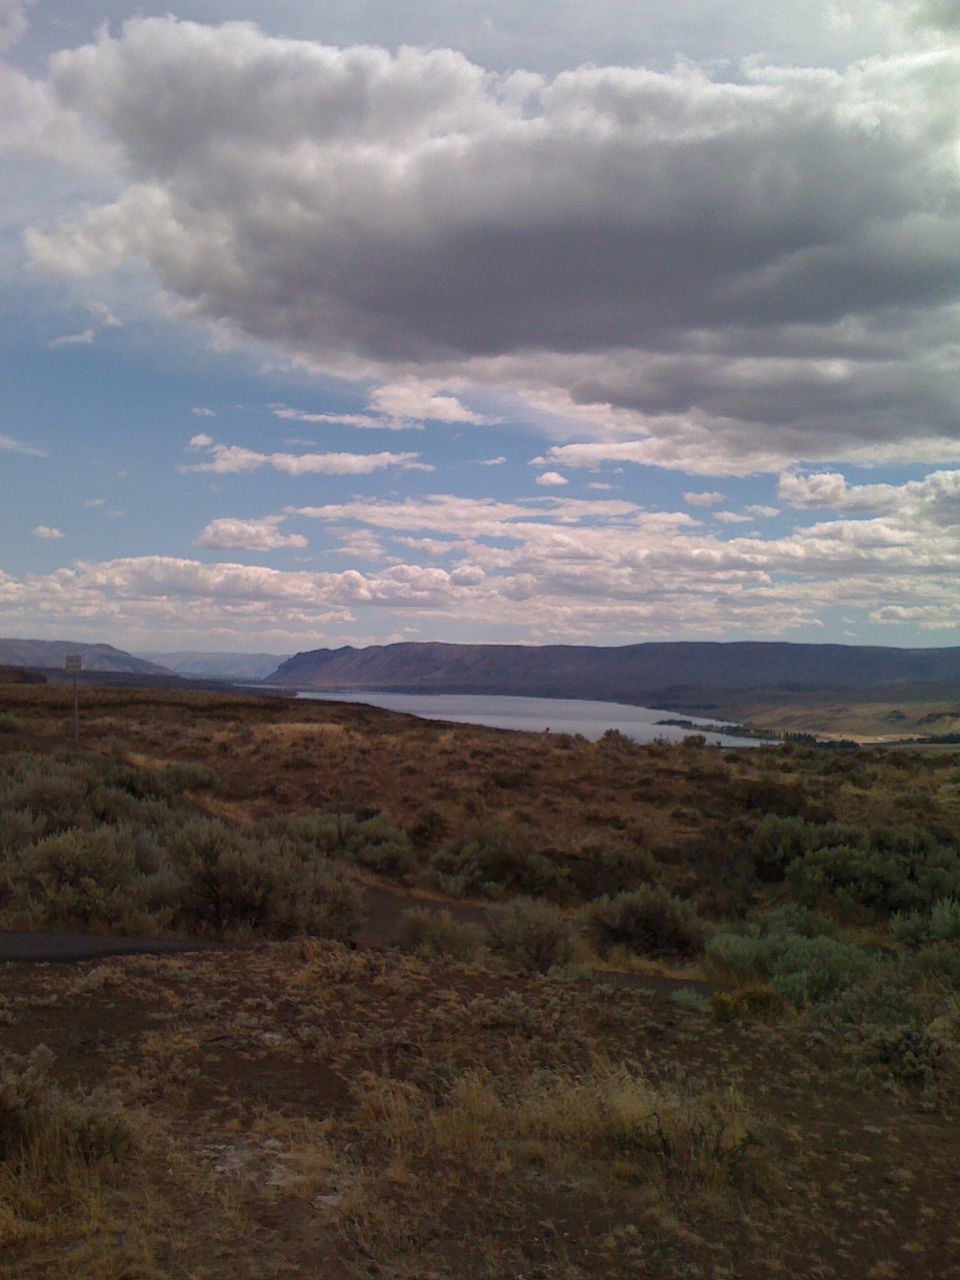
x: 73, y: 662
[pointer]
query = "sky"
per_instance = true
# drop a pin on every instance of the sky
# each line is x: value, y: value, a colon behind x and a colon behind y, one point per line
x: 479, y: 321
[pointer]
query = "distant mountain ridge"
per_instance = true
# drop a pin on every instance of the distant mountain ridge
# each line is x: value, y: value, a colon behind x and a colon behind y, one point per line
x: 676, y: 674
x: 224, y: 666
x: 49, y: 654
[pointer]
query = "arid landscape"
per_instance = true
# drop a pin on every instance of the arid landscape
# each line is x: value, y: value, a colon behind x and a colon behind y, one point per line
x: 470, y: 1003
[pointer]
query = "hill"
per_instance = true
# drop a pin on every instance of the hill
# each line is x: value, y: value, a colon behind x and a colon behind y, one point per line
x: 223, y: 666
x: 684, y: 675
x: 49, y: 654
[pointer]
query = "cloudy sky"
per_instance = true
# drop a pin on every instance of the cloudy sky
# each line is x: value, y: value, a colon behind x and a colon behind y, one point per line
x: 487, y: 320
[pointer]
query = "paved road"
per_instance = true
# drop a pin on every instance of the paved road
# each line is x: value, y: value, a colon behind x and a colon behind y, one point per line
x: 33, y: 947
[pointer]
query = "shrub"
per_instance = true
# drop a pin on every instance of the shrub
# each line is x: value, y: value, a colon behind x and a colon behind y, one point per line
x: 807, y: 970
x: 436, y: 933
x: 42, y: 1124
x: 187, y: 776
x: 919, y: 928
x: 10, y: 723
x: 230, y: 880
x: 777, y: 842
x: 380, y: 845
x: 898, y: 872
x: 738, y: 954
x: 649, y: 921
x: 687, y: 998
x: 532, y: 935
x: 76, y: 877
x: 758, y: 1002
x: 496, y: 855
x: 312, y: 834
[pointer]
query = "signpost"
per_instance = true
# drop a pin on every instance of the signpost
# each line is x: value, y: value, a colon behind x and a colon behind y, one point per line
x: 73, y: 662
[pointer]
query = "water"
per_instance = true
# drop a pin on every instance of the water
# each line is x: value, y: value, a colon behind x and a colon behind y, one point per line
x: 559, y: 715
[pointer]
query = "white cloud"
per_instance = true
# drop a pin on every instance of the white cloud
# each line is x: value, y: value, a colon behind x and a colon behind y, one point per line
x: 231, y: 459
x: 551, y: 478
x: 493, y: 462
x: 203, y: 412
x: 227, y: 534
x: 95, y: 502
x: 708, y: 499
x: 46, y: 532
x: 732, y: 517
x: 367, y: 421
x: 411, y: 399
x: 598, y: 568
x: 934, y: 499
x: 84, y: 339
x: 762, y: 511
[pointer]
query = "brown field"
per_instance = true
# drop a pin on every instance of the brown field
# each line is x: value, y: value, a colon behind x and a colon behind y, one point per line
x: 442, y: 1102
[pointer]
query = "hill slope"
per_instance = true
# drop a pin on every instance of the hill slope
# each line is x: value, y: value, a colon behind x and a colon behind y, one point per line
x: 225, y: 666
x: 676, y: 674
x: 48, y: 654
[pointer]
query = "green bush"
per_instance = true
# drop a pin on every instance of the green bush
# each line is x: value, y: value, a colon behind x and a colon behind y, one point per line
x: 807, y: 970
x: 230, y: 880
x: 76, y: 877
x: 531, y: 935
x: 96, y: 843
x: 889, y: 875
x: 436, y: 933
x: 737, y: 954
x: 313, y: 834
x: 921, y: 928
x: 648, y: 921
x: 496, y: 856
x: 380, y: 845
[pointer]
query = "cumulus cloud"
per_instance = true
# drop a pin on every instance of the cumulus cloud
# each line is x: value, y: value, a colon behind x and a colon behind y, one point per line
x: 762, y: 510
x: 780, y: 247
x: 228, y: 534
x: 231, y: 459
x: 202, y: 412
x: 46, y: 532
x: 412, y: 399
x: 593, y: 567
x: 707, y: 499
x: 551, y: 478
x: 731, y: 517
x: 934, y: 499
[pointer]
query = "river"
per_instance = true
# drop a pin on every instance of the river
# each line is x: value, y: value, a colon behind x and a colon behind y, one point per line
x: 559, y: 715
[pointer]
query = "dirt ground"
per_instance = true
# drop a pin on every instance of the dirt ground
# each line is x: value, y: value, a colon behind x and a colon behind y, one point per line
x: 252, y: 1074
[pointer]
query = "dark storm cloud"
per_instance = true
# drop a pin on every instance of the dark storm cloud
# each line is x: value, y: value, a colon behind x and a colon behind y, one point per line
x: 609, y: 238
